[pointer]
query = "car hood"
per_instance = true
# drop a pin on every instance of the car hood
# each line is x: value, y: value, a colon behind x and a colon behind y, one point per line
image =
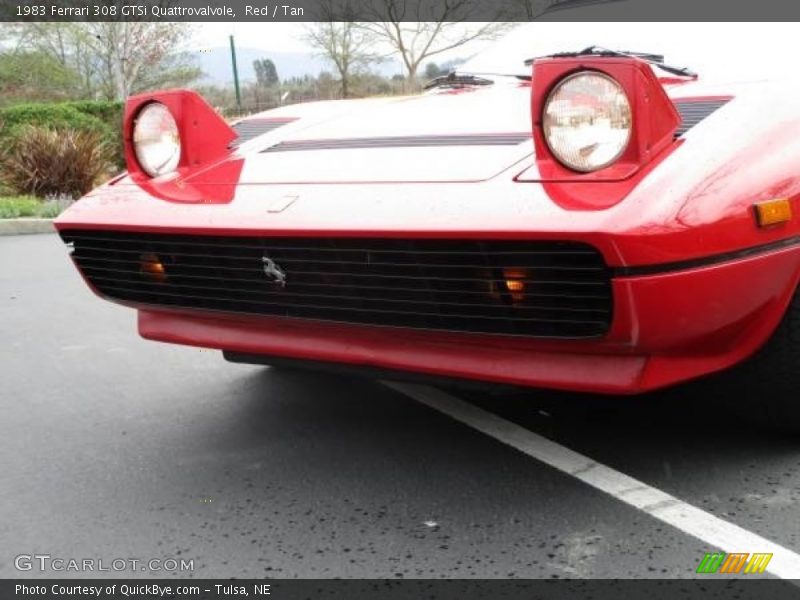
x: 443, y: 136
x: 465, y: 135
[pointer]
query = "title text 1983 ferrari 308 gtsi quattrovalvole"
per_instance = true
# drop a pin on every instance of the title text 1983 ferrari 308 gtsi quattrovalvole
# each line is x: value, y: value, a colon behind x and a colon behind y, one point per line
x: 607, y: 223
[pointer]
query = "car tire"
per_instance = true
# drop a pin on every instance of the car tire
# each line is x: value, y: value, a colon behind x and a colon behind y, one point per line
x: 766, y: 387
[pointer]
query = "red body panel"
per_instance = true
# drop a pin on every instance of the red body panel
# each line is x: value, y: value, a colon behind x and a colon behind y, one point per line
x: 691, y: 202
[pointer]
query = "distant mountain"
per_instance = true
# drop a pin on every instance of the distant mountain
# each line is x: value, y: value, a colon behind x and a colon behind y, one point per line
x: 216, y: 64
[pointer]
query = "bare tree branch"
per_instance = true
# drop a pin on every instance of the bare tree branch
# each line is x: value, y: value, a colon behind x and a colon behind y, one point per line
x: 439, y: 27
x: 346, y: 45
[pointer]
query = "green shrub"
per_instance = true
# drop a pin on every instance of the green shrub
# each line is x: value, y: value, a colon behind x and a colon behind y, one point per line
x: 104, y: 118
x: 55, y: 116
x: 21, y: 206
x: 110, y: 113
x: 50, y: 209
x: 44, y: 161
x: 27, y: 206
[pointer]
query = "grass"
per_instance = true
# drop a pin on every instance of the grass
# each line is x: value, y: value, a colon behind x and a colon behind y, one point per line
x: 13, y: 207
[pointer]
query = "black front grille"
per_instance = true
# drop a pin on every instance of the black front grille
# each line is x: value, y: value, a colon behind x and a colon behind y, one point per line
x: 530, y: 288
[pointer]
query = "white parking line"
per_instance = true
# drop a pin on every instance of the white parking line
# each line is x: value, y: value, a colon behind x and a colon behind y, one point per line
x: 696, y: 522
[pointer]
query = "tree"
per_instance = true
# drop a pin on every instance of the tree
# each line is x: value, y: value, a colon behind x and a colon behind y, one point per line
x: 30, y: 74
x: 432, y: 71
x: 266, y: 73
x: 10, y: 34
x: 436, y: 27
x: 176, y: 70
x: 127, y: 50
x: 347, y: 45
x: 66, y: 46
x: 536, y: 8
x: 325, y: 86
x: 114, y: 59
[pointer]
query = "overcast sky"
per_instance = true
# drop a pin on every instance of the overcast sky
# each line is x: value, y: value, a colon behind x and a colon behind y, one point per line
x: 720, y: 51
x: 281, y: 37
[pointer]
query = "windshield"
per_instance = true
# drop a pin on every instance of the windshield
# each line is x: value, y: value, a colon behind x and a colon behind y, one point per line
x: 716, y: 51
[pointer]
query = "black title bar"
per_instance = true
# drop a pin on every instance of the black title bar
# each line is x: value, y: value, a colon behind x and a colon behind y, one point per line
x: 398, y: 10
x: 741, y: 588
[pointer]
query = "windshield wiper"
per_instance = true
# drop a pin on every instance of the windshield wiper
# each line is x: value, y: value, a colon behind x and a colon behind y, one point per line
x: 456, y: 80
x: 656, y: 60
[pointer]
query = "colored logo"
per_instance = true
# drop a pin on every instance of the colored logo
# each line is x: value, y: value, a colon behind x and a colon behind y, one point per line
x: 734, y: 563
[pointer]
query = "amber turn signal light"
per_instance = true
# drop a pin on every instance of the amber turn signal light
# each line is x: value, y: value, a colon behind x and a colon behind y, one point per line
x: 773, y: 212
x: 515, y: 283
x: 152, y: 268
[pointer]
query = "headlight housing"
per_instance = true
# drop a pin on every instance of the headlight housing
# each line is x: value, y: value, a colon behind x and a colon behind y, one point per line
x: 587, y: 121
x: 156, y: 140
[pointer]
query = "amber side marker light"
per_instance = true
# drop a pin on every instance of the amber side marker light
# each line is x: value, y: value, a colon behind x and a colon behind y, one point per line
x: 773, y: 212
x: 152, y: 268
x: 515, y: 284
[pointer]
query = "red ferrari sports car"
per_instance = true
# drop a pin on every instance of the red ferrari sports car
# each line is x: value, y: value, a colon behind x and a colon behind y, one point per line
x: 603, y: 222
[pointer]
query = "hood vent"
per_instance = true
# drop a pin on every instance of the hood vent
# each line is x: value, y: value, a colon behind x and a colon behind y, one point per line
x: 694, y: 111
x: 416, y: 141
x: 252, y: 128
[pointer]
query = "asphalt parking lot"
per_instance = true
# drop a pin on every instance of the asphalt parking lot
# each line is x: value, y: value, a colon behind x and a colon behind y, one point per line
x: 114, y: 447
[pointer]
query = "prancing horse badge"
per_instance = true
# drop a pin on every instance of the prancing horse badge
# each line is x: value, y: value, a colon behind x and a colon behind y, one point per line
x: 273, y: 272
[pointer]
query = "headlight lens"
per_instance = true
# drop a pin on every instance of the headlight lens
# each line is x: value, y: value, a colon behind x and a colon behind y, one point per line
x: 587, y: 121
x: 156, y: 140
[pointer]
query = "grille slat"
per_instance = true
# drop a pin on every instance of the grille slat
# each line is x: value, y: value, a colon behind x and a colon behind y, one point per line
x: 301, y: 261
x: 441, y: 284
x: 284, y: 296
x: 349, y: 308
x: 333, y: 274
x: 136, y: 275
x: 271, y: 244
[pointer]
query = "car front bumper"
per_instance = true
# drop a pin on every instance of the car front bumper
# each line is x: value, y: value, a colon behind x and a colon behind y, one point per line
x: 692, y: 307
x: 668, y: 328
